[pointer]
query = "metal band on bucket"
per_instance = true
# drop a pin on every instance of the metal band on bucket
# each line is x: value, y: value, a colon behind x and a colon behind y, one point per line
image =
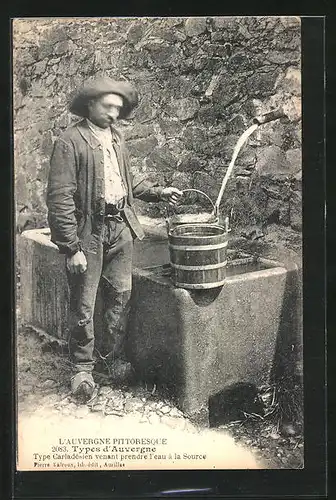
x: 206, y: 267
x: 187, y: 248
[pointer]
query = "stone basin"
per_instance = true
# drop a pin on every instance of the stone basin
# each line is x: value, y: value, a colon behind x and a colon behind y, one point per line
x: 194, y: 342
x: 199, y: 342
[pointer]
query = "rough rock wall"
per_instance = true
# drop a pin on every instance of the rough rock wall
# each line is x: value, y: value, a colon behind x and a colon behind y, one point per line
x: 201, y: 81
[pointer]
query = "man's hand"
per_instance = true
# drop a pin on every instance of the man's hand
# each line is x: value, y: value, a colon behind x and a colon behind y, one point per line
x: 76, y: 264
x: 171, y: 194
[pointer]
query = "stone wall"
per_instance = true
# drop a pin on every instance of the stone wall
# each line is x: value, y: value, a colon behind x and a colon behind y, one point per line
x: 201, y: 81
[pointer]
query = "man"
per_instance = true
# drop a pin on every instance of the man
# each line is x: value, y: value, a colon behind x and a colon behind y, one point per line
x: 90, y: 211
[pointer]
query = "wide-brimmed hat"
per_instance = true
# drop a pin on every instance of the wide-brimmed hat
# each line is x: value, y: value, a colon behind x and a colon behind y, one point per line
x: 100, y: 86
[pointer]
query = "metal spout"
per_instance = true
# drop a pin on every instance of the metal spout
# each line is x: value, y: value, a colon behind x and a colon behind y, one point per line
x: 269, y: 117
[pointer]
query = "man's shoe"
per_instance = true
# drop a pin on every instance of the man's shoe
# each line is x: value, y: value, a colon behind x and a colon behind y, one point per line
x: 82, y: 386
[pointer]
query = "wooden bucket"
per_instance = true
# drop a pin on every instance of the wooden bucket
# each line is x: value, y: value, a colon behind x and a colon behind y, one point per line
x: 198, y: 255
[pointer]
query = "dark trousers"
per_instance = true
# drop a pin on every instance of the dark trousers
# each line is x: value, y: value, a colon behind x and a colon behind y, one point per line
x: 110, y: 268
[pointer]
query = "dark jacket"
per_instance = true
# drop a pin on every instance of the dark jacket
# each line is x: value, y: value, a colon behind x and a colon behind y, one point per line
x: 75, y: 193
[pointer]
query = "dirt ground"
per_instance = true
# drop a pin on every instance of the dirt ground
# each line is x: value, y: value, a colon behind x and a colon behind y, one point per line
x: 43, y: 383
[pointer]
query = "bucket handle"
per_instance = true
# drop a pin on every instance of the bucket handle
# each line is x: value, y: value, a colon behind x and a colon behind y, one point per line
x: 184, y: 191
x: 196, y: 191
x: 201, y: 192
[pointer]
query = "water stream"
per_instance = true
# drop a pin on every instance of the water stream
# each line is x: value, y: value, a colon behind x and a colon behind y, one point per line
x: 241, y: 141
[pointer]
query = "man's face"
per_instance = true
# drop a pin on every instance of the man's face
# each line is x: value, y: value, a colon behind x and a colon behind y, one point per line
x: 104, y: 110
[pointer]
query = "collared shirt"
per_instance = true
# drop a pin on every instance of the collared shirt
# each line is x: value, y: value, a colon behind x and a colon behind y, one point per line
x: 114, y: 186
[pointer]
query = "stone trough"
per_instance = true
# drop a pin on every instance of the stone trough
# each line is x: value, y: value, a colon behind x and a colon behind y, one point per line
x: 195, y: 343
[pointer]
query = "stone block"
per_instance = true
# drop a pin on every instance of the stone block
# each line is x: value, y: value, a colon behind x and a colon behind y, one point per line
x: 274, y: 134
x: 184, y: 109
x: 218, y: 36
x: 40, y: 67
x: 135, y: 33
x: 162, y: 55
x: 195, y: 26
x: 239, y: 61
x: 243, y: 32
x: 38, y: 90
x: 27, y: 58
x: 261, y: 83
x: 294, y: 159
x: 176, y: 147
x: 73, y: 67
x: 179, y: 36
x: 215, y: 50
x: 54, y: 60
x: 222, y: 145
x: 45, y: 49
x: 138, y: 131
x: 271, y: 160
x: 181, y: 180
x: 291, y: 21
x: 204, y: 81
x: 50, y: 79
x: 200, y: 61
x: 224, y: 22
x: 63, y: 47
x: 296, y: 182
x: 171, y: 128
x: 195, y: 139
x: 237, y: 124
x: 277, y: 211
x: 290, y: 81
x: 282, y: 57
x: 142, y: 147
x: 207, y: 115
x: 145, y: 111
x: 290, y: 104
x: 161, y: 160
x: 295, y: 207
x: 276, y: 189
x: 189, y: 163
x: 165, y: 33
x: 226, y: 91
x: 247, y: 158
